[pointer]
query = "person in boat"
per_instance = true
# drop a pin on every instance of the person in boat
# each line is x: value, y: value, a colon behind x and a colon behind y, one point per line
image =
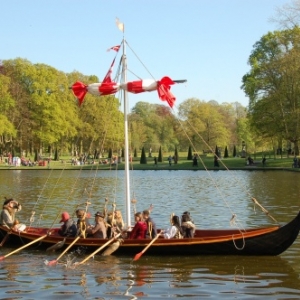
x: 109, y: 224
x: 187, y: 226
x: 175, y: 231
x: 119, y: 220
x: 115, y: 223
x: 8, y: 214
x: 69, y: 227
x: 151, y: 226
x: 99, y: 229
x: 189, y: 216
x: 82, y: 222
x: 140, y: 228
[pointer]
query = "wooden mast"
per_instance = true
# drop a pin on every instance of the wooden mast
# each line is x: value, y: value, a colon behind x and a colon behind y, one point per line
x: 126, y: 152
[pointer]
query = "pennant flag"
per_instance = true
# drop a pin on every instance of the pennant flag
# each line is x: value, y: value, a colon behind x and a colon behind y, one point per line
x: 120, y: 25
x: 107, y: 77
x: 116, y: 48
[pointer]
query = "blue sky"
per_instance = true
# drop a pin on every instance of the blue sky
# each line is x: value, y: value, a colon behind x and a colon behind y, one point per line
x: 207, y: 42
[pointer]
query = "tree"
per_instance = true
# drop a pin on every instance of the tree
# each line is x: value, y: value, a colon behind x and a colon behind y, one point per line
x: 135, y: 153
x: 36, y: 155
x: 109, y: 153
x: 176, y: 157
x: 160, y: 156
x: 143, y: 159
x: 217, y: 151
x: 206, y: 122
x: 226, y: 152
x: 190, y: 154
x: 273, y: 86
x: 234, y: 151
x: 56, y: 156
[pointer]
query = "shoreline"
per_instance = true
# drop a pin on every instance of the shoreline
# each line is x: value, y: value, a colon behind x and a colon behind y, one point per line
x: 149, y: 168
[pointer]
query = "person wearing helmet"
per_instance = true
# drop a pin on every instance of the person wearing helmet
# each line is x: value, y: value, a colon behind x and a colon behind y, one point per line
x: 69, y: 228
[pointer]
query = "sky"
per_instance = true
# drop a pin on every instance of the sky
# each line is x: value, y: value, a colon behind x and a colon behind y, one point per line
x: 206, y: 42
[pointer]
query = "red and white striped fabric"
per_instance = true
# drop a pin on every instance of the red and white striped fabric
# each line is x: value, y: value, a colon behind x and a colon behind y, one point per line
x: 148, y: 85
x: 98, y: 89
x: 109, y: 87
x: 140, y: 86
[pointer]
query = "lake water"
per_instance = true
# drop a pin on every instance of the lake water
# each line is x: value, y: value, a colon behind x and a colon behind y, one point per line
x: 211, y: 198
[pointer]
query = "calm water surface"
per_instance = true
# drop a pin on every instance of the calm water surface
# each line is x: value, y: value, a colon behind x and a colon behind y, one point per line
x: 211, y: 198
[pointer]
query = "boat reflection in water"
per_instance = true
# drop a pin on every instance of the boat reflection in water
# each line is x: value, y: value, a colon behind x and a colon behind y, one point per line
x: 214, y: 277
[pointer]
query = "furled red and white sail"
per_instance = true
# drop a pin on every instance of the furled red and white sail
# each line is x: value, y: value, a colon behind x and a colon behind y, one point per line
x: 109, y: 87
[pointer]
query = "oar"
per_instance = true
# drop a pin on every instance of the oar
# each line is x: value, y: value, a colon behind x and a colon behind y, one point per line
x: 4, y: 239
x: 99, y: 249
x: 137, y: 256
x: 25, y: 246
x: 54, y: 262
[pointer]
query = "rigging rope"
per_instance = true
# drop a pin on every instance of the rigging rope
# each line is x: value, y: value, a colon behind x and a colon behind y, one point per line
x: 232, y: 171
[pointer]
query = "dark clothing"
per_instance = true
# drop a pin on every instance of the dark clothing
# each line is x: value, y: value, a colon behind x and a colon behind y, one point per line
x: 69, y: 228
x: 216, y: 163
x: 139, y: 230
x: 188, y: 229
x: 151, y: 229
x: 195, y: 161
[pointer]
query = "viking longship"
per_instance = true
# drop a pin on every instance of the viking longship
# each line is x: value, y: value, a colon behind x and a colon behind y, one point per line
x: 269, y: 240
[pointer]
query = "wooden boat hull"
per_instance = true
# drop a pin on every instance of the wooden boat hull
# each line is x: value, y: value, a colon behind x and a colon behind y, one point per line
x: 262, y: 241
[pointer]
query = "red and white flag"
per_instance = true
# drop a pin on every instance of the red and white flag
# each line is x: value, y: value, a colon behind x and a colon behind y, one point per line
x: 107, y: 77
x: 116, y: 48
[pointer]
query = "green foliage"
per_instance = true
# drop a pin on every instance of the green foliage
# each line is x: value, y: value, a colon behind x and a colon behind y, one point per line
x: 234, y: 151
x: 226, y: 153
x: 143, y: 159
x: 273, y: 86
x: 38, y: 111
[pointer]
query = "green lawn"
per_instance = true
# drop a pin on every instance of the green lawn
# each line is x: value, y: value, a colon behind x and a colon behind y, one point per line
x: 183, y: 164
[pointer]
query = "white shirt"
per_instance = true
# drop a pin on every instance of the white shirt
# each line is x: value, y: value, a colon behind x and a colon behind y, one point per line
x: 170, y: 232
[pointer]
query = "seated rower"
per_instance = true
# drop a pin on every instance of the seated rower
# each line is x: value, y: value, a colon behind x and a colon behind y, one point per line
x: 118, y: 220
x: 174, y: 231
x: 140, y: 228
x: 151, y: 226
x: 69, y: 228
x: 82, y: 222
x: 8, y: 214
x: 187, y: 226
x: 114, y: 223
x: 99, y: 229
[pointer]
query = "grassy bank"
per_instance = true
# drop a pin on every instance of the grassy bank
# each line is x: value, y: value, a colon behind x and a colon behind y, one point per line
x: 182, y: 164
